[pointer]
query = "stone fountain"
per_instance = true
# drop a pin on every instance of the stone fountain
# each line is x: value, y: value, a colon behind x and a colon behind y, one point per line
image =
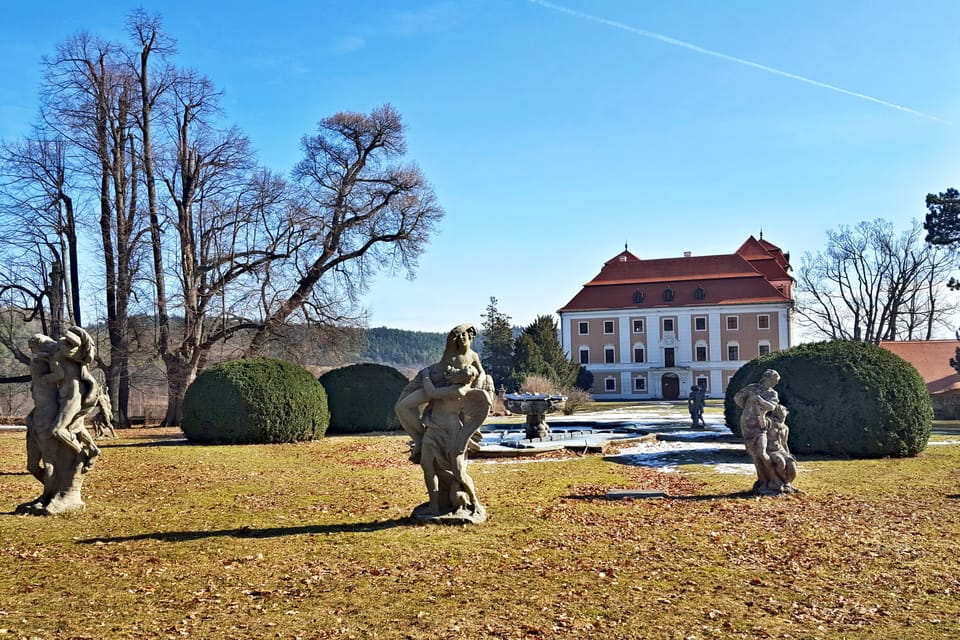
x: 535, y: 406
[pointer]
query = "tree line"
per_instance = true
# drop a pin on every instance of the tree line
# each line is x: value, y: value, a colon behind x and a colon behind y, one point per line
x: 872, y: 282
x: 131, y: 153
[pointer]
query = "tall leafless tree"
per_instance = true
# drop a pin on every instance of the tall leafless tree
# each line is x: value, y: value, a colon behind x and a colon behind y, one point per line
x: 358, y: 210
x: 871, y: 283
x: 38, y: 223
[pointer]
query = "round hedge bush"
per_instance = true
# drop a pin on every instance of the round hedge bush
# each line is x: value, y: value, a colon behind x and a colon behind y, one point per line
x: 362, y: 397
x: 845, y: 398
x: 255, y: 400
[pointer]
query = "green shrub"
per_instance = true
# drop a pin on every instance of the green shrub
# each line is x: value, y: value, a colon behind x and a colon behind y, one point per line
x: 845, y: 398
x: 362, y: 397
x: 255, y: 400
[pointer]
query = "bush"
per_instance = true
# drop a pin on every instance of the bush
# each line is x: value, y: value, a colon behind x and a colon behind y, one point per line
x: 255, y: 400
x: 844, y: 397
x: 577, y: 399
x: 538, y: 384
x: 362, y: 397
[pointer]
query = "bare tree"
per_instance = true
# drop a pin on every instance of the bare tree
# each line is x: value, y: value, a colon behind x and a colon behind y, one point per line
x: 873, y: 284
x: 88, y: 95
x: 357, y: 210
x: 40, y: 233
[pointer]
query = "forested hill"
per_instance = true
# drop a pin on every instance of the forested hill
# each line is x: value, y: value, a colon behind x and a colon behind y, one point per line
x: 400, y: 347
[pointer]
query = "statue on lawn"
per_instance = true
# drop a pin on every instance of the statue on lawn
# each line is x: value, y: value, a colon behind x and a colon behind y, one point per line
x: 765, y: 432
x: 442, y: 409
x: 60, y: 450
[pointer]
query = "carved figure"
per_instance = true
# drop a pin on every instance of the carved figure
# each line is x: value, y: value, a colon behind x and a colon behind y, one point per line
x: 764, y: 430
x: 102, y: 417
x: 60, y: 450
x: 442, y: 409
x: 695, y: 403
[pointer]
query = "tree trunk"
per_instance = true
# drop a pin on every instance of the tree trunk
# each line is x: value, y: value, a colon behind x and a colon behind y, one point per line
x: 179, y: 376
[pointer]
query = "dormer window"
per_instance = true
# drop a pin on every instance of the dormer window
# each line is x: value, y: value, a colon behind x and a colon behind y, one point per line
x: 700, y: 294
x: 637, y: 296
x: 668, y: 295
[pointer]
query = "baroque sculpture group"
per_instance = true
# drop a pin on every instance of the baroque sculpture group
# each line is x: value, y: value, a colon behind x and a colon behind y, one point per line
x: 441, y: 409
x: 60, y: 450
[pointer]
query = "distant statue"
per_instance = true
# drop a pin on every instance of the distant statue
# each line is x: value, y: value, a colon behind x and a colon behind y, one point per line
x: 695, y: 403
x: 60, y: 450
x: 442, y: 409
x: 765, y: 432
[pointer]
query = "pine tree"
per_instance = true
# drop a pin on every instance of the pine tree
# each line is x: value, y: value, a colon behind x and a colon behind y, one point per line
x: 497, y: 351
x: 538, y: 352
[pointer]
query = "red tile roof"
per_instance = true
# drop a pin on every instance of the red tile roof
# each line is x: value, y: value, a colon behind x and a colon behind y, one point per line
x: 753, y: 274
x: 932, y: 359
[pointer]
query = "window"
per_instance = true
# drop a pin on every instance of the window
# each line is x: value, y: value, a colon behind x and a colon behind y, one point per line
x: 700, y: 293
x: 584, y: 328
x: 610, y: 384
x: 608, y: 327
x: 637, y: 296
x: 763, y: 321
x: 584, y: 355
x: 669, y: 357
x: 639, y: 384
x: 733, y: 351
x: 700, y: 323
x: 668, y: 325
x: 638, y: 353
x: 763, y: 348
x: 733, y: 323
x: 702, y: 383
x: 668, y: 295
x: 701, y: 354
x: 638, y: 326
x: 609, y: 355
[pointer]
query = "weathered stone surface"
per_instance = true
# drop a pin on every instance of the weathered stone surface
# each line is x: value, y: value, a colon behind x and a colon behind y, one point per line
x: 442, y: 409
x: 764, y: 430
x: 60, y: 450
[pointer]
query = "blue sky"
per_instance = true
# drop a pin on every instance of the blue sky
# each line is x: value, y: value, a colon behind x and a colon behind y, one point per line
x: 554, y: 133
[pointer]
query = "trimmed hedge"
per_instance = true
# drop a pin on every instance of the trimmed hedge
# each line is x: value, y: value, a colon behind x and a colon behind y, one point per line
x: 362, y: 397
x: 255, y: 400
x: 845, y: 398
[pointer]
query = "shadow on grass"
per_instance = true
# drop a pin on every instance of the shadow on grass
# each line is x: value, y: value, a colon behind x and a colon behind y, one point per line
x: 738, y: 495
x: 248, y: 532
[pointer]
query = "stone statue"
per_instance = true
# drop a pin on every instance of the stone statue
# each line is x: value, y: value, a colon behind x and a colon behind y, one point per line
x: 442, y: 409
x: 695, y: 403
x: 102, y: 416
x: 60, y: 450
x: 764, y: 429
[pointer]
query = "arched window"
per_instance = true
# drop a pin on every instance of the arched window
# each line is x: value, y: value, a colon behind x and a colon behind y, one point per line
x: 668, y: 295
x: 700, y: 294
x: 609, y: 354
x: 733, y: 350
x: 700, y: 351
x: 639, y: 353
x: 763, y: 347
x: 584, y: 355
x: 637, y: 296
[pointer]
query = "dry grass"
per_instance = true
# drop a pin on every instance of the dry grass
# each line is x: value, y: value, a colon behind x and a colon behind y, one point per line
x: 312, y: 541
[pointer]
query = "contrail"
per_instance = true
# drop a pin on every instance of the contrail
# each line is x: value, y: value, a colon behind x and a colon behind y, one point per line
x: 723, y: 56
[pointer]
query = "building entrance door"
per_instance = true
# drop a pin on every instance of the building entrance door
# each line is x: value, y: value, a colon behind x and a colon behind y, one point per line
x: 670, y: 386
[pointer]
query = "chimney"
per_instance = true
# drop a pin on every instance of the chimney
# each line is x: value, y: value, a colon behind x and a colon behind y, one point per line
x: 686, y: 254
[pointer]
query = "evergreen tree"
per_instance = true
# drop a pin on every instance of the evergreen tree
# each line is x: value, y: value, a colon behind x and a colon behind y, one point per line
x: 497, y: 350
x: 538, y: 352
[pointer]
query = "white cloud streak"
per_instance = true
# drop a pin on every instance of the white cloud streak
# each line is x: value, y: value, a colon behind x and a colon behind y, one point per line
x: 723, y: 56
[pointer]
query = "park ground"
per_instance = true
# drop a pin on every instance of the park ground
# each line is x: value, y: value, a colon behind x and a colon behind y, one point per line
x: 313, y: 540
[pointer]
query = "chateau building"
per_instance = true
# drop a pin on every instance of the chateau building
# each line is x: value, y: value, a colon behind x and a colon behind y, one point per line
x: 651, y: 329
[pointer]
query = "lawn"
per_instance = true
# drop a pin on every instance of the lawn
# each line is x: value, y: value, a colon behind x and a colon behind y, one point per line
x: 312, y: 540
